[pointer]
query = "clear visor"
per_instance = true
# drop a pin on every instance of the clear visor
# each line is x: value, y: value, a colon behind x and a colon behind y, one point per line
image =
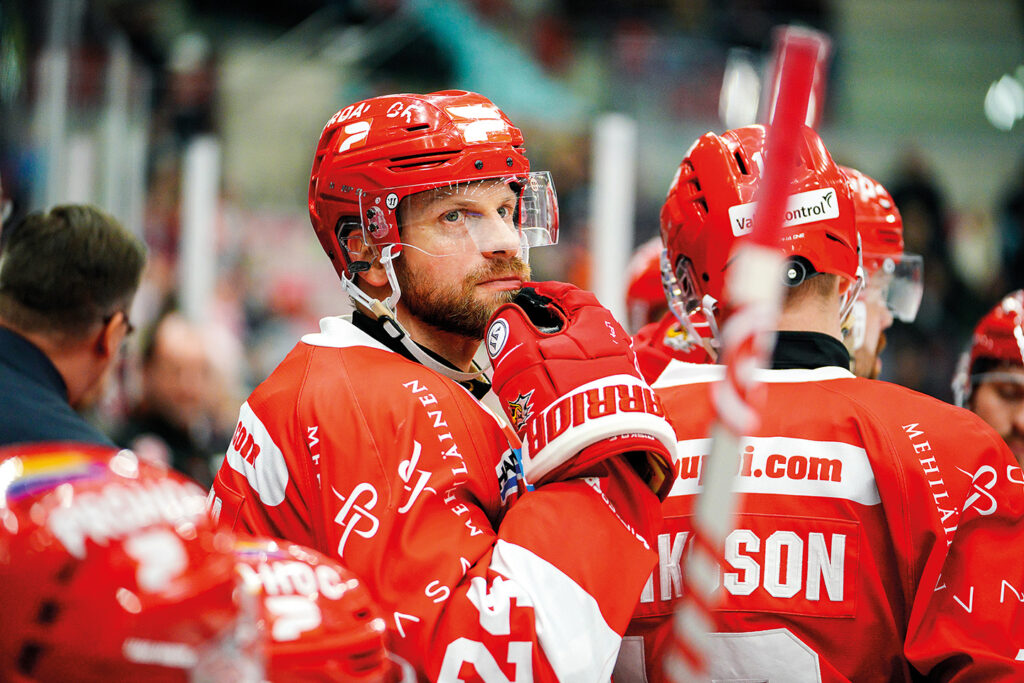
x: 899, y: 281
x: 508, y: 214
x: 690, y: 308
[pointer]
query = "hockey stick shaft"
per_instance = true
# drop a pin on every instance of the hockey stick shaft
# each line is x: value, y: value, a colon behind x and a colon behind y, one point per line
x: 754, y: 290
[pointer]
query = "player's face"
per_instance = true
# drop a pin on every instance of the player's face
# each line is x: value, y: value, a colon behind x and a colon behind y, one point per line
x: 867, y: 357
x: 461, y: 259
x: 1001, y: 405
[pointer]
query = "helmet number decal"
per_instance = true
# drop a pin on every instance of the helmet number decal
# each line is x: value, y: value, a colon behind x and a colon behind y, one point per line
x: 160, y: 556
x: 397, y: 110
x: 355, y: 135
x: 476, y: 122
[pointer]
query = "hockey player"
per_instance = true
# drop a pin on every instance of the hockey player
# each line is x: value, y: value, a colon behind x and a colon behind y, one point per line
x: 369, y: 442
x: 112, y: 570
x: 989, y: 379
x: 660, y: 336
x: 893, y: 282
x: 878, y: 531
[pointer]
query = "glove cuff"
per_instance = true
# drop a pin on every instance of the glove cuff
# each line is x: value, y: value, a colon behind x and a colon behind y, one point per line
x: 616, y: 406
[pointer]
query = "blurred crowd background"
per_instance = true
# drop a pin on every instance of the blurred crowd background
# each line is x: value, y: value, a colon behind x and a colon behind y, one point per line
x: 194, y: 122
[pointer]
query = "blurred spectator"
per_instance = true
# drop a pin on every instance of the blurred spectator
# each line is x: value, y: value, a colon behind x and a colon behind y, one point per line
x: 1011, y: 219
x: 175, y: 419
x: 921, y: 352
x: 67, y: 280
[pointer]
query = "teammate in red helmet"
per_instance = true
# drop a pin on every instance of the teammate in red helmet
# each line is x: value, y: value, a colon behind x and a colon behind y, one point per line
x: 372, y: 441
x: 990, y: 375
x: 112, y: 570
x: 871, y: 517
x: 660, y: 337
x: 893, y: 278
x: 318, y: 619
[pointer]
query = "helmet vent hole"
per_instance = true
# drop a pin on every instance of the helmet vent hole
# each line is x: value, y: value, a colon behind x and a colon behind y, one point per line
x: 29, y: 657
x: 743, y: 166
x: 66, y: 572
x: 687, y: 166
x: 362, y: 614
x: 47, y: 612
x: 704, y: 277
x: 422, y: 126
x: 694, y: 187
x: 702, y: 206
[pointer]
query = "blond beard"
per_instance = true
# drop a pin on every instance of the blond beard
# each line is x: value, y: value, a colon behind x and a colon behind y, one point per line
x: 455, y: 308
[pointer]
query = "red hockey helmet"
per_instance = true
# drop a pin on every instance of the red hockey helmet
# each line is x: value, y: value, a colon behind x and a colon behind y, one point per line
x: 897, y: 275
x: 113, y: 571
x: 373, y: 154
x: 645, y: 297
x: 318, y: 617
x: 998, y: 340
x: 710, y: 208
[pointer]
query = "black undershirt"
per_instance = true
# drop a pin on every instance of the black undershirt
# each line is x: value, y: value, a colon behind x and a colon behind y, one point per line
x: 478, y: 386
x: 808, y: 350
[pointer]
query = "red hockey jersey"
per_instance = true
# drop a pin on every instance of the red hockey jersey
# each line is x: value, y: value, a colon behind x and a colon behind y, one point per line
x: 401, y: 473
x: 880, y: 532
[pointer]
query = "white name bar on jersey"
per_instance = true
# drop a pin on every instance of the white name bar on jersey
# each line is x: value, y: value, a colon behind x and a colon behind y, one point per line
x: 784, y: 466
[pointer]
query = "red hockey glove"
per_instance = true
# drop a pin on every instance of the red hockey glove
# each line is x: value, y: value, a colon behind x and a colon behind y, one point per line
x: 566, y: 375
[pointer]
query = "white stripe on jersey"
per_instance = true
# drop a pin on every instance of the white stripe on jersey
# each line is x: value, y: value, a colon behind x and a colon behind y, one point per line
x: 784, y: 466
x: 678, y: 373
x: 575, y: 638
x: 253, y: 453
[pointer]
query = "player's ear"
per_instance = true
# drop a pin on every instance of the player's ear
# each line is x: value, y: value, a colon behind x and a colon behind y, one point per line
x: 364, y: 261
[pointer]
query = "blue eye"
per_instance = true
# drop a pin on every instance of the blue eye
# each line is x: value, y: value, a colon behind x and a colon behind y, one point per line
x: 503, y: 211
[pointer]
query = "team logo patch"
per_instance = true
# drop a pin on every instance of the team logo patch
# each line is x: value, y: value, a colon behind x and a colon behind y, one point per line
x: 520, y: 410
x: 391, y: 201
x: 497, y: 335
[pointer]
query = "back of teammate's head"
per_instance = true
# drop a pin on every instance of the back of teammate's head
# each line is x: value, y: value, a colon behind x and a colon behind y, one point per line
x: 66, y: 269
x: 375, y: 153
x: 112, y: 570
x: 710, y: 206
x: 997, y: 342
x: 319, y: 620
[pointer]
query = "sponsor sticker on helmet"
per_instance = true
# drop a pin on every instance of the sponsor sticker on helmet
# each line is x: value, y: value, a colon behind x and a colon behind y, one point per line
x: 391, y: 201
x: 497, y: 335
x: 801, y: 208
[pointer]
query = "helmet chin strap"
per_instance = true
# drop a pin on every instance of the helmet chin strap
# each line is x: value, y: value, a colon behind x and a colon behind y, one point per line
x: 385, y: 314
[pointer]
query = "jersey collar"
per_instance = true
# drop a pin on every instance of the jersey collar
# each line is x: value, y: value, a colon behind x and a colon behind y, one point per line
x: 807, y: 350
x: 478, y: 387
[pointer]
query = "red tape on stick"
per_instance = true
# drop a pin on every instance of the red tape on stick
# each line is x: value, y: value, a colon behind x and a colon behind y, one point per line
x: 754, y: 290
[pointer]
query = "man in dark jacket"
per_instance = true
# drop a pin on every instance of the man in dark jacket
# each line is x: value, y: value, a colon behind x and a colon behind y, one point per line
x: 67, y: 280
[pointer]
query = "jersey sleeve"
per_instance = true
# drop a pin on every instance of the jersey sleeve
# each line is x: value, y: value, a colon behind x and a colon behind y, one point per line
x: 958, y: 526
x: 967, y: 620
x: 404, y: 484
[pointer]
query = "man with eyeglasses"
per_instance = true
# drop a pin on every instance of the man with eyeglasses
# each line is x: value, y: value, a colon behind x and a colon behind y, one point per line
x: 67, y: 280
